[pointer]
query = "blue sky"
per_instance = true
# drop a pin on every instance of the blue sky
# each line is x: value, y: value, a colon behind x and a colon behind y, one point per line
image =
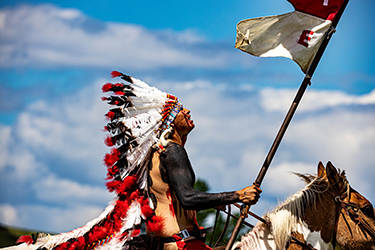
x: 55, y: 55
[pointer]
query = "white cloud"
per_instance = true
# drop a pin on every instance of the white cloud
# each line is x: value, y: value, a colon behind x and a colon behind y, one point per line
x: 24, y: 164
x: 62, y: 191
x: 5, y: 138
x: 49, y: 36
x: 280, y: 99
x: 54, y: 219
x: 275, y: 181
x: 8, y: 214
x: 69, y: 128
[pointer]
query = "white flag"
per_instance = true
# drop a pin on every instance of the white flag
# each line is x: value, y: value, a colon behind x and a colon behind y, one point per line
x: 296, y: 35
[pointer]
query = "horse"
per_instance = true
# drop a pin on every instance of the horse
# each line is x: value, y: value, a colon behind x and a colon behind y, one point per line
x: 326, y: 214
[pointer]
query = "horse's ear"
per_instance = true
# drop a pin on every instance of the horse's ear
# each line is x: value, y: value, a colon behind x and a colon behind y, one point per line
x: 321, y: 170
x: 333, y: 177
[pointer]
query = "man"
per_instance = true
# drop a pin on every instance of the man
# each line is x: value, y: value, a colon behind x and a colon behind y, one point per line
x: 149, y: 170
x: 172, y: 180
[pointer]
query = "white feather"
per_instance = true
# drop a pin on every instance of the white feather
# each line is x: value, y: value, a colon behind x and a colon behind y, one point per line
x: 133, y: 216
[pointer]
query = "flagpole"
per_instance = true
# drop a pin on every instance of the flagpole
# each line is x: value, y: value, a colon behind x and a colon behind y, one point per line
x: 287, y: 119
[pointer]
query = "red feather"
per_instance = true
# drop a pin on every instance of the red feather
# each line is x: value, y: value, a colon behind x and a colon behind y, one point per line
x: 146, y: 209
x: 57, y: 248
x: 121, y: 207
x: 112, y: 185
x: 110, y: 115
x: 118, y: 85
x: 130, y: 181
x: 135, y: 232
x: 127, y: 184
x: 108, y: 225
x: 120, y: 188
x: 115, y: 74
x: 108, y: 141
x: 99, y: 233
x: 90, y: 238
x: 115, y: 152
x: 107, y: 87
x: 109, y: 160
x: 63, y: 246
x: 156, y: 224
x: 80, y: 243
x: 75, y: 245
x: 112, y: 171
x: 124, y: 235
x: 117, y: 224
x: 134, y: 195
x: 25, y: 239
x: 119, y: 213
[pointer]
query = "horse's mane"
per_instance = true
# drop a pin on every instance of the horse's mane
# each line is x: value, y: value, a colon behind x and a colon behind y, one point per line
x: 288, y: 216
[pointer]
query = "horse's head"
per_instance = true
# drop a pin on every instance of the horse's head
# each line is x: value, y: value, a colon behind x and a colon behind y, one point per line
x: 326, y: 214
x: 342, y: 216
x: 354, y: 217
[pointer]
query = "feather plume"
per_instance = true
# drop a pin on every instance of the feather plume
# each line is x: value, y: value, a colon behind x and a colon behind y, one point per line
x: 115, y: 74
x: 106, y: 87
x: 133, y: 216
x: 156, y: 224
x: 146, y: 209
x: 25, y: 239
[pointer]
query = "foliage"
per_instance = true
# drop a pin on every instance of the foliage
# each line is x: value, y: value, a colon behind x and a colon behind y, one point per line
x: 9, y: 235
x: 205, y: 217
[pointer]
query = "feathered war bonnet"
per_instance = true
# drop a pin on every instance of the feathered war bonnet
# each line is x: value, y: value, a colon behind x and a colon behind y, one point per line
x: 139, y: 117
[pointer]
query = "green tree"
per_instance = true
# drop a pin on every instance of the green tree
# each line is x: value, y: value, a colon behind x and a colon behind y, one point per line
x: 203, y: 217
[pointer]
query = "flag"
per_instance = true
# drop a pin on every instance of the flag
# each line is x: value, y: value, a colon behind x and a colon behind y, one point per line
x: 296, y: 35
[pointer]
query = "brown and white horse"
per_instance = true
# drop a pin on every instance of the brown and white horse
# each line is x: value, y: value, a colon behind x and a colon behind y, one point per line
x: 326, y: 214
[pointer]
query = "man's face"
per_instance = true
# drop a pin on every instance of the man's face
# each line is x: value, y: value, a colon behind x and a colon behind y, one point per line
x: 182, y: 123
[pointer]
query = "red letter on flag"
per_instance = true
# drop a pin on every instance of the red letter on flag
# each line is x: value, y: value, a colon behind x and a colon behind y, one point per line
x: 305, y: 37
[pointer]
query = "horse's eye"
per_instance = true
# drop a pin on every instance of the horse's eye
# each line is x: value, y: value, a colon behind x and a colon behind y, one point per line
x: 368, y: 211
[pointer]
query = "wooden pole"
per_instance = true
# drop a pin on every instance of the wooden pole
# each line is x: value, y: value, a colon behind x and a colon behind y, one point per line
x: 287, y: 119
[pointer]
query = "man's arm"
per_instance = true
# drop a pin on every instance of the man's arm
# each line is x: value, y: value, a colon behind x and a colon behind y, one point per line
x: 180, y: 175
